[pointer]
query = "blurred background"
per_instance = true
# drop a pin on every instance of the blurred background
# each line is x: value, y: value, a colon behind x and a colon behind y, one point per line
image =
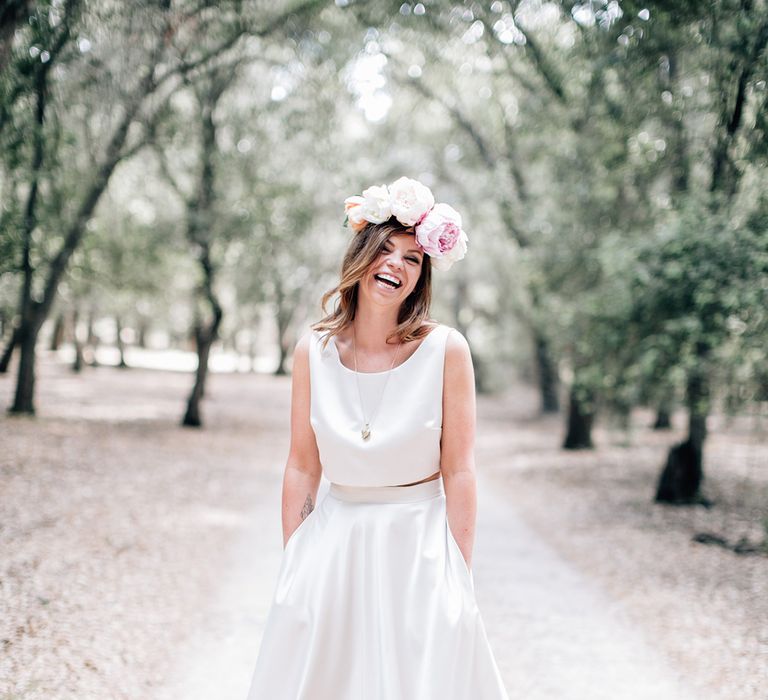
x: 172, y: 178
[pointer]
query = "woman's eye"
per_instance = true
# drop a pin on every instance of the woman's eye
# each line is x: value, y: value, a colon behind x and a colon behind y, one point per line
x: 388, y: 249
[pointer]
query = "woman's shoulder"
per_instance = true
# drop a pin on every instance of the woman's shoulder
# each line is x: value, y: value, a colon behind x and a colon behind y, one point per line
x: 457, y: 350
x: 302, y: 348
x: 311, y: 335
x: 452, y: 335
x: 302, y: 344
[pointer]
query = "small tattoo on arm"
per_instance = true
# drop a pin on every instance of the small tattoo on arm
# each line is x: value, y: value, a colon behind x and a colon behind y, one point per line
x: 308, y: 507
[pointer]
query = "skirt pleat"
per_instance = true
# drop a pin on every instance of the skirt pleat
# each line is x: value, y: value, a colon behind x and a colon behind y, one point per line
x: 374, y: 601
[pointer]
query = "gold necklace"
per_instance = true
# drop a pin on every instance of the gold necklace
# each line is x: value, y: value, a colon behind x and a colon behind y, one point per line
x: 366, y: 430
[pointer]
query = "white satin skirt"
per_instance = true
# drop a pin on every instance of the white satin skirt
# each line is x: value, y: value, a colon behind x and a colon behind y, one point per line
x: 374, y: 601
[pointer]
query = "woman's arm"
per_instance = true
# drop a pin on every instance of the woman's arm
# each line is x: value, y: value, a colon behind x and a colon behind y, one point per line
x: 302, y: 470
x: 457, y: 459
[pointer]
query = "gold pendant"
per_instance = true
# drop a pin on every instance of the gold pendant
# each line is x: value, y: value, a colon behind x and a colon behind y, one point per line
x: 366, y: 432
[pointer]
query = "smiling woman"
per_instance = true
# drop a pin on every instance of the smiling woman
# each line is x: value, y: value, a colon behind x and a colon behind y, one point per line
x: 375, y: 597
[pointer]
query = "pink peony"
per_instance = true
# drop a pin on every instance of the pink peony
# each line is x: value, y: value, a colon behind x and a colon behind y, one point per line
x: 440, y: 236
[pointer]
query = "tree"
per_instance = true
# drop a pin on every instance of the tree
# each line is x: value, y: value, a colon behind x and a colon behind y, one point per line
x: 167, y: 50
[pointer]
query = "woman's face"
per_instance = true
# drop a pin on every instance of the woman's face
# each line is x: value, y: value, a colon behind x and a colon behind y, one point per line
x: 400, y: 260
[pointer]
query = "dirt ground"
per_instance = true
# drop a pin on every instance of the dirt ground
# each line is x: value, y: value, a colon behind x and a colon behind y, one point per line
x: 115, y: 523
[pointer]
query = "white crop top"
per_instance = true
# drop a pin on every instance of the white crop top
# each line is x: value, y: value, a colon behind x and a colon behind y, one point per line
x: 404, y: 445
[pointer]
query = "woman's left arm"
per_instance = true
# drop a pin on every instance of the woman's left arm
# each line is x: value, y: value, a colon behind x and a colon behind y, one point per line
x: 457, y: 458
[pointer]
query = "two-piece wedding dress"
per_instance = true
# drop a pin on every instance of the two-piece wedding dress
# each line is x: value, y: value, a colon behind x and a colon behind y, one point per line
x: 374, y: 600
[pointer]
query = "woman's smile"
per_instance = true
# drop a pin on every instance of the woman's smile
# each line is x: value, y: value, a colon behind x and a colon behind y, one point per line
x: 388, y: 287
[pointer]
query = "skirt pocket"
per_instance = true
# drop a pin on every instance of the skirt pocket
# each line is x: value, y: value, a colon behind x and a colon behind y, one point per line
x: 301, y: 526
x: 461, y: 561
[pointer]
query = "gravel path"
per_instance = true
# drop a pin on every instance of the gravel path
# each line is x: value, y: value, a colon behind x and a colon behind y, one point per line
x: 559, y: 635
x: 139, y: 557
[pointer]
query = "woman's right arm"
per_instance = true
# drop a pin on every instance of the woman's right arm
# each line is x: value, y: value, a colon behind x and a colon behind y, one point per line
x: 303, y: 469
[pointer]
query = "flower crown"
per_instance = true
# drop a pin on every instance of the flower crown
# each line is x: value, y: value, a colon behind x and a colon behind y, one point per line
x: 437, y: 227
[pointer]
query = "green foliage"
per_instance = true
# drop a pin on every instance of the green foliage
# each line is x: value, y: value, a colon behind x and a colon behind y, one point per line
x: 700, y: 291
x: 655, y: 267
x: 577, y: 143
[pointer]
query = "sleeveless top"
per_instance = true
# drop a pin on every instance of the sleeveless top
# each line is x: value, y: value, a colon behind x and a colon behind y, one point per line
x: 404, y: 445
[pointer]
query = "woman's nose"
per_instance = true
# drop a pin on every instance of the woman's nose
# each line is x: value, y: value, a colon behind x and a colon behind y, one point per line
x: 395, y: 259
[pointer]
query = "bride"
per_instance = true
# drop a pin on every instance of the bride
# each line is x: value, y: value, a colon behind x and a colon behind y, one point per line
x: 375, y: 597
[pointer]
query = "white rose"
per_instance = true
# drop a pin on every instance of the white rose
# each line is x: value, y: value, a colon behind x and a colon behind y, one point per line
x: 410, y: 200
x: 376, y: 208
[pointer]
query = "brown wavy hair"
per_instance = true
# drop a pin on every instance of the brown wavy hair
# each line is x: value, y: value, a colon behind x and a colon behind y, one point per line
x: 413, y: 320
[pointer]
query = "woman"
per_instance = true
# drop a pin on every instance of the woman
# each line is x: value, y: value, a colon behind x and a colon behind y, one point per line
x: 375, y: 596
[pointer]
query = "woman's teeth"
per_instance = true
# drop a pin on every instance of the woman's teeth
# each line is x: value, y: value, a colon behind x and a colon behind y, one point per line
x: 385, y: 286
x: 385, y: 282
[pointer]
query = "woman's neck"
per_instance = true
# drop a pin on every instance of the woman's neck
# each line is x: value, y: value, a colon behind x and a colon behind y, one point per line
x: 372, y: 326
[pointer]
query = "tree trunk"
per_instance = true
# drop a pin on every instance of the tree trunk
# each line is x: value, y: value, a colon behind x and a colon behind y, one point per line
x: 482, y: 383
x: 200, y: 228
x: 681, y: 478
x: 252, y: 352
x: 77, y: 365
x: 283, y: 317
x: 23, y: 401
x: 663, y: 417
x: 13, y: 341
x: 580, y: 416
x: 57, y: 337
x: 546, y: 374
x: 192, y: 416
x: 92, y: 341
x: 281, y: 369
x: 141, y: 339
x: 122, y: 364
x: 204, y: 337
x: 546, y: 367
x: 25, y: 386
x: 32, y: 315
